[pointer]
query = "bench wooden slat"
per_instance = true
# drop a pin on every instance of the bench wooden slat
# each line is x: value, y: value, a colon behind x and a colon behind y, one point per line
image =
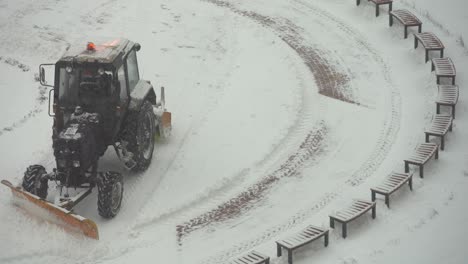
x: 253, y: 257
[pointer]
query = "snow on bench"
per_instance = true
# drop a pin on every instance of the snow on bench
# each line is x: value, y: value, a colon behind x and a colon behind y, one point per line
x: 440, y: 125
x: 300, y: 239
x: 421, y: 155
x: 448, y: 96
x: 444, y: 68
x: 429, y: 42
x: 392, y: 183
x: 353, y: 211
x: 406, y: 18
x: 252, y: 257
x: 378, y: 3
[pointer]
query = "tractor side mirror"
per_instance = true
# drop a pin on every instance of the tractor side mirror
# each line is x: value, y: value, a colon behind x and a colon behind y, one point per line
x: 137, y: 46
x: 42, y: 77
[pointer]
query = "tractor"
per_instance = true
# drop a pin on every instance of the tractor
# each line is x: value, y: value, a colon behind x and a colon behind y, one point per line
x: 97, y: 100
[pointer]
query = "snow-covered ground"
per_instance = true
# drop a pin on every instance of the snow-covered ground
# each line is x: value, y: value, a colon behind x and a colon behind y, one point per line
x: 283, y: 111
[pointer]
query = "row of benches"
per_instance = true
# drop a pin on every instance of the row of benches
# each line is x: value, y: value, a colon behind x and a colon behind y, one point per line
x: 441, y: 124
x: 354, y: 210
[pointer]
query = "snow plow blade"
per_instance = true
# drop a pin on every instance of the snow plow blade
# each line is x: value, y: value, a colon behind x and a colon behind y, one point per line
x: 66, y: 218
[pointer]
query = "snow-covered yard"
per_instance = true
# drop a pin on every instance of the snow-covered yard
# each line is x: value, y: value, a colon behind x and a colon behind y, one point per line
x: 283, y: 111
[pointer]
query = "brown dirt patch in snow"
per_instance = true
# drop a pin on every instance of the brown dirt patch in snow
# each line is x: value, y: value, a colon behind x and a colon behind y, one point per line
x: 247, y: 199
x: 330, y: 81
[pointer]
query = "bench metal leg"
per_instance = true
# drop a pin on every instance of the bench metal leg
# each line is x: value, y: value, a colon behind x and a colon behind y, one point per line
x: 387, y: 201
x: 278, y: 250
x: 427, y: 55
x: 438, y: 108
x: 419, y: 28
x: 406, y: 167
x: 438, y: 79
x: 410, y: 183
x: 453, y: 80
x: 358, y: 2
x: 326, y: 239
x: 344, y: 230
x: 332, y: 222
x: 442, y: 53
x: 421, y: 171
x: 453, y: 111
x: 437, y: 154
x: 290, y: 256
x: 415, y: 42
x: 442, y: 143
x: 432, y: 67
x: 267, y: 261
x: 390, y: 20
x: 406, y: 32
x: 373, y: 195
x: 374, y: 210
x: 427, y: 138
x: 390, y: 8
x: 377, y: 7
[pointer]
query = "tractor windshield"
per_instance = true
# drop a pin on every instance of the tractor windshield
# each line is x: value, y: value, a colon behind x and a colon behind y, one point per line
x: 84, y: 86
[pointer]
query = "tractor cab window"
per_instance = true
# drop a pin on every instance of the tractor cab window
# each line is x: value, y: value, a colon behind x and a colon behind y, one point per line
x: 84, y: 86
x: 132, y: 69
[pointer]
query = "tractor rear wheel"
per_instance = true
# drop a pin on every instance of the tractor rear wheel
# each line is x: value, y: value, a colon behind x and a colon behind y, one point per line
x: 110, y: 193
x: 140, y: 132
x: 33, y: 181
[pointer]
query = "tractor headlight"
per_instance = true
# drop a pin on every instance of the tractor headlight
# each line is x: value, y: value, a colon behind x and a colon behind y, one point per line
x: 69, y: 69
x: 76, y: 163
x: 61, y: 163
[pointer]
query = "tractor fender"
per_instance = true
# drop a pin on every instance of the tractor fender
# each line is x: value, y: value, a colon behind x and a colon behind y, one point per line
x: 143, y: 90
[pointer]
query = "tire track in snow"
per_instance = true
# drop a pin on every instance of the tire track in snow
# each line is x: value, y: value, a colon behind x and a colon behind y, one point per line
x: 40, y: 100
x: 247, y: 199
x: 387, y: 137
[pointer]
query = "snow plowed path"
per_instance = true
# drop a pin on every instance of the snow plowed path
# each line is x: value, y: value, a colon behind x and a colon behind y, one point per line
x: 282, y: 111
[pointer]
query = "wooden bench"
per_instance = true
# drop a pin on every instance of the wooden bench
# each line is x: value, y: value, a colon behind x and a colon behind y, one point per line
x: 440, y: 125
x: 444, y: 68
x: 406, y: 18
x: 429, y: 42
x: 448, y: 96
x: 378, y: 3
x: 253, y: 257
x: 421, y: 155
x: 300, y: 239
x: 392, y: 183
x: 353, y: 211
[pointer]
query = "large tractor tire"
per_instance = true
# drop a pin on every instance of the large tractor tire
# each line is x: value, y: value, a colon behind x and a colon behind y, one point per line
x: 33, y: 181
x: 110, y: 193
x: 139, y: 133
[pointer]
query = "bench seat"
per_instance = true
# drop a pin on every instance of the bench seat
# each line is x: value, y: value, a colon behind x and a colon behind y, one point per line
x: 300, y: 239
x: 392, y: 183
x: 353, y: 211
x: 430, y: 42
x: 406, y: 18
x: 439, y: 127
x: 444, y: 67
x: 253, y: 257
x: 448, y: 96
x: 421, y: 155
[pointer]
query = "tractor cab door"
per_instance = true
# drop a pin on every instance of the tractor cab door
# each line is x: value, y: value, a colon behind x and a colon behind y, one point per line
x: 128, y: 77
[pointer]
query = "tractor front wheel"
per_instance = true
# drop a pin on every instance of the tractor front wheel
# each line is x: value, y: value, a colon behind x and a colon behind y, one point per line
x: 110, y: 193
x: 33, y: 181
